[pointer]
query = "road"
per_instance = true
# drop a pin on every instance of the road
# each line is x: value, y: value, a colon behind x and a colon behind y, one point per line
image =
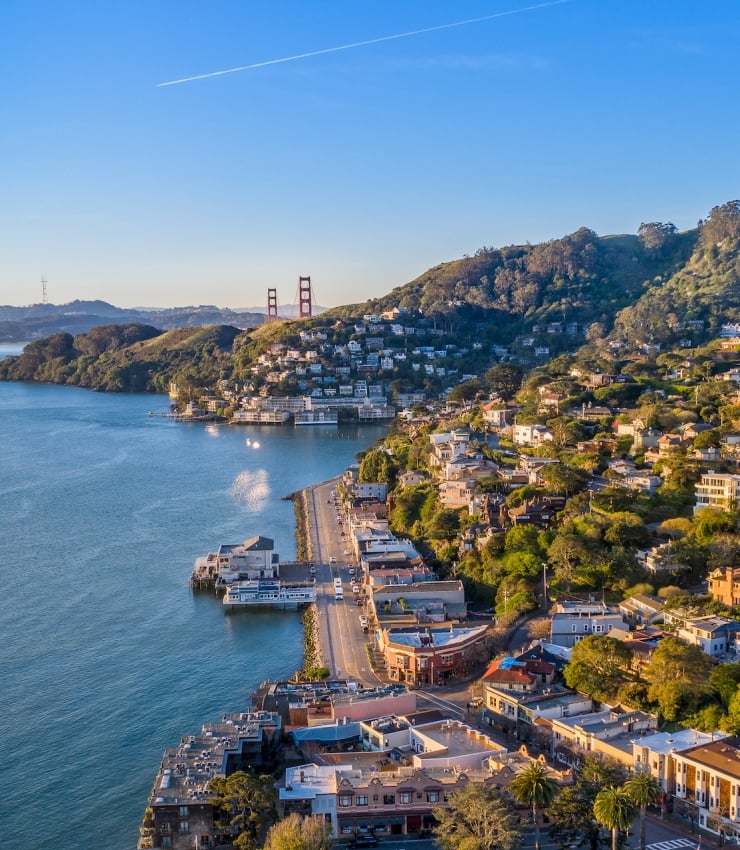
x: 343, y: 643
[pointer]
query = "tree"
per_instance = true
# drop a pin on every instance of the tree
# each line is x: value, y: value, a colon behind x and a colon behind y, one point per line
x: 477, y: 818
x: 445, y: 524
x: 614, y: 809
x: 377, y: 466
x: 655, y: 235
x: 297, y: 833
x: 723, y: 221
x: 564, y: 480
x: 598, y: 666
x: 724, y: 680
x: 247, y: 804
x: 534, y: 787
x: 505, y: 379
x: 626, y: 529
x: 644, y: 790
x: 571, y: 813
x: 731, y: 722
x: 677, y: 675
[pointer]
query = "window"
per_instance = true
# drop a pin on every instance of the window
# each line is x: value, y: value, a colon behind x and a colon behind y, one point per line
x: 405, y: 797
x: 183, y: 811
x: 389, y: 799
x: 432, y: 796
x: 166, y: 842
x: 362, y: 799
x: 345, y: 800
x: 184, y: 826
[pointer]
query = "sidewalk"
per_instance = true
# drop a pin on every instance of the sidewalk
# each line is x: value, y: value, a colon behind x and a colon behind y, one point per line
x: 682, y: 829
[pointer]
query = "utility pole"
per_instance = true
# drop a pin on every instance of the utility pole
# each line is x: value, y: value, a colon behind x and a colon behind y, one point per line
x: 544, y: 586
x: 44, y: 299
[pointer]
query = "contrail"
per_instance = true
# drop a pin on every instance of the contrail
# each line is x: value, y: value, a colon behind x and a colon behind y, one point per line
x: 363, y: 43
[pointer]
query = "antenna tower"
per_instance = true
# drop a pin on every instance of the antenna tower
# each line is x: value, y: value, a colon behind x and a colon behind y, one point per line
x: 272, y: 305
x: 304, y: 298
x: 44, y: 299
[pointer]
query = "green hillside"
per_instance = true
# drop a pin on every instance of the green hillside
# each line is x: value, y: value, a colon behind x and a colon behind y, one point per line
x: 528, y: 303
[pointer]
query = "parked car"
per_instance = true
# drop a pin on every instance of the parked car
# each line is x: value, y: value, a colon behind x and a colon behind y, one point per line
x: 364, y: 841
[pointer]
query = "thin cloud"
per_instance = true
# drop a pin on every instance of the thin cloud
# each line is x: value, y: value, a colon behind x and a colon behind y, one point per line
x: 363, y: 43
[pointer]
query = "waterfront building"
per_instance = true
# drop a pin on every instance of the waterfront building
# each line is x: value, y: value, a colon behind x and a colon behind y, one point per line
x: 181, y: 803
x: 426, y: 656
x: 253, y: 559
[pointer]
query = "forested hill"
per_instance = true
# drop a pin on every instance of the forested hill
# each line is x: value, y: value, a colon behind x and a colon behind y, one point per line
x: 581, y: 278
x: 126, y: 358
x: 526, y: 302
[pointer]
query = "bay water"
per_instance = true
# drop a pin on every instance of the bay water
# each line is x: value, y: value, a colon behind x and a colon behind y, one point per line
x: 106, y: 656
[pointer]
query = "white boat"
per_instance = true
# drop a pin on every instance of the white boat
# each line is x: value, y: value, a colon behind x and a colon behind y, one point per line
x: 268, y: 593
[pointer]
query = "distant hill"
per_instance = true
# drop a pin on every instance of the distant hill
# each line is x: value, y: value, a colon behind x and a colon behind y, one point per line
x: 19, y: 324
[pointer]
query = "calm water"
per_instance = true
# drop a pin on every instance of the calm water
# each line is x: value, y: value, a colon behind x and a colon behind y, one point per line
x: 106, y: 658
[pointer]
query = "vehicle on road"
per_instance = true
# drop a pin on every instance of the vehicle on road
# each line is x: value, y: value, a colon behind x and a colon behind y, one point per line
x: 355, y: 588
x: 347, y: 552
x: 332, y: 560
x: 338, y: 592
x: 363, y: 841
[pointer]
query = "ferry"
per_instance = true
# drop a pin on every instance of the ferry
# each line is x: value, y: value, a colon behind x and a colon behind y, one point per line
x: 268, y: 593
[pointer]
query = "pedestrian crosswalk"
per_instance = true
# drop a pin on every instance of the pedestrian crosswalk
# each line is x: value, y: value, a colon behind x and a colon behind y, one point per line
x: 673, y: 844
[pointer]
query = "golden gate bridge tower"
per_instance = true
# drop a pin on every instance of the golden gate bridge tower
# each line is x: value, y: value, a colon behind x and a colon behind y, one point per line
x: 272, y: 306
x: 304, y: 298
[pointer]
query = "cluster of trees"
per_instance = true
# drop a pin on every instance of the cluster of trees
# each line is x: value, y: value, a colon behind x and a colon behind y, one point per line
x: 678, y: 681
x: 482, y: 817
x: 127, y: 358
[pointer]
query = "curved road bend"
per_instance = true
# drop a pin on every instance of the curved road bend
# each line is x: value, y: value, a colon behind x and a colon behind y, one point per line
x: 343, y: 644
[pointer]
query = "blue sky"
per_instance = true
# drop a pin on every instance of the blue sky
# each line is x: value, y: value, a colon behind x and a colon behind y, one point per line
x: 360, y: 167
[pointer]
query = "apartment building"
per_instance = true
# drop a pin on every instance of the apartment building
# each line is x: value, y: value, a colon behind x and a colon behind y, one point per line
x: 717, y: 490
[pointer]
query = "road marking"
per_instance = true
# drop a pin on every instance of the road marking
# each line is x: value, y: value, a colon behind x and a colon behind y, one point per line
x: 674, y: 844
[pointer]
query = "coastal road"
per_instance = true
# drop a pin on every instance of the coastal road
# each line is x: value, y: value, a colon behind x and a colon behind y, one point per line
x: 344, y: 645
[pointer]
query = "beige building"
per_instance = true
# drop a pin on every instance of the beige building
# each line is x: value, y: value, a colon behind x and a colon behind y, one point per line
x: 707, y: 786
x: 724, y: 585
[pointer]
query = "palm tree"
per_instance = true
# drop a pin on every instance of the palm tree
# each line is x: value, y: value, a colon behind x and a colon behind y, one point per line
x: 614, y: 809
x: 534, y: 787
x: 644, y: 790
